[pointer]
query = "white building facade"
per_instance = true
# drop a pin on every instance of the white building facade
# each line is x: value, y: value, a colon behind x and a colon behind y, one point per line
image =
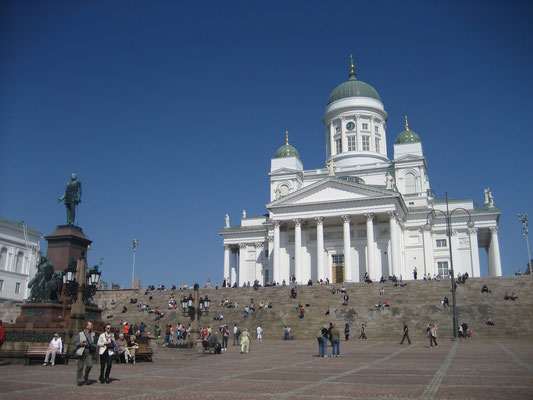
x: 19, y: 253
x: 362, y: 214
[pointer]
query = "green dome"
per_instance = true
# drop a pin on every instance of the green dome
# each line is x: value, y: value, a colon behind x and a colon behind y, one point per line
x: 407, y: 136
x: 287, y: 151
x: 353, y: 88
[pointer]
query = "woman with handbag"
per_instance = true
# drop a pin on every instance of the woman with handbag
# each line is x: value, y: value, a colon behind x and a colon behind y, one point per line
x: 132, y: 346
x: 106, y: 346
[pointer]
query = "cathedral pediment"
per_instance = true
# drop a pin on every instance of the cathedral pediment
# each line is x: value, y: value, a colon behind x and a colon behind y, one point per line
x: 331, y: 190
x: 409, y: 157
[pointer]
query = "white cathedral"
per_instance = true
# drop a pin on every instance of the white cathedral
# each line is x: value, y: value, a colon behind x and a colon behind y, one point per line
x: 363, y: 213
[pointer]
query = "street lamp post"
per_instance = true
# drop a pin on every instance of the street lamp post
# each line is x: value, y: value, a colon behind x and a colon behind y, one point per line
x: 194, y: 307
x: 134, y: 244
x: 525, y: 224
x: 448, y: 218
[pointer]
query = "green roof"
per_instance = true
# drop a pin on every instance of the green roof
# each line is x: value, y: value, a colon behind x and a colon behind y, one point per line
x: 287, y: 151
x: 407, y: 136
x: 19, y: 225
x: 353, y: 88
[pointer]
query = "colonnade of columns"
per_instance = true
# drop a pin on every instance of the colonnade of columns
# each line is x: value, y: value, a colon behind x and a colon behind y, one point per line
x: 352, y: 273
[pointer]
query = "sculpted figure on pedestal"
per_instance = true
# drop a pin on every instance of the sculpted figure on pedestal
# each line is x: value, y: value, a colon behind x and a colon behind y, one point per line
x: 390, y: 181
x: 227, y: 221
x: 72, y: 198
x: 330, y: 165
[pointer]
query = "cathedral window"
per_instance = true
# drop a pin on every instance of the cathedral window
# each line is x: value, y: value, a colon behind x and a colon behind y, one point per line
x: 365, y: 143
x: 376, y: 129
x: 442, y: 267
x: 365, y: 126
x: 351, y: 143
x: 17, y: 288
x: 338, y: 259
x: 377, y: 145
x: 1, y: 285
x: 410, y: 183
x: 338, y: 144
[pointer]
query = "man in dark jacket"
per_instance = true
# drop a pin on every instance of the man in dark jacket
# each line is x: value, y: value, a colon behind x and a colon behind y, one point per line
x: 405, y: 333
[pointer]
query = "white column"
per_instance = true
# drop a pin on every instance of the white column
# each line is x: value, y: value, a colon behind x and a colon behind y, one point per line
x: 370, y: 268
x: 320, y: 249
x: 429, y: 262
x: 331, y: 139
x: 343, y: 135
x: 243, y: 276
x: 275, y: 272
x: 234, y: 267
x: 258, y: 273
x: 298, y: 250
x: 226, y: 262
x: 393, y: 244
x: 495, y: 252
x: 474, y: 253
x: 347, y: 249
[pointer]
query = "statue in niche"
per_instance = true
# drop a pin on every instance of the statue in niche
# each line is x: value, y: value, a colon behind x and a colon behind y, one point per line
x: 72, y: 198
x: 390, y: 181
x: 244, y: 213
x: 330, y: 165
x: 227, y: 221
x: 277, y: 192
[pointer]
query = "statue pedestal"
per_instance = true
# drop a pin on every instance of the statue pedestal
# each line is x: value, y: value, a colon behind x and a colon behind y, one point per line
x: 65, y: 242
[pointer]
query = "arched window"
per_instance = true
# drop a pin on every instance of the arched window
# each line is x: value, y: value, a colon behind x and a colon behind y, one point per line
x: 3, y: 258
x: 18, y: 262
x: 410, y: 183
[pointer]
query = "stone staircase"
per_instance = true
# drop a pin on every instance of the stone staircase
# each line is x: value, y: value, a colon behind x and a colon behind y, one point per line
x: 417, y: 304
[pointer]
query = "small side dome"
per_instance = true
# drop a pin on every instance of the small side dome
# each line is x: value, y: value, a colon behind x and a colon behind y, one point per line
x: 287, y: 150
x: 407, y: 136
x: 353, y: 88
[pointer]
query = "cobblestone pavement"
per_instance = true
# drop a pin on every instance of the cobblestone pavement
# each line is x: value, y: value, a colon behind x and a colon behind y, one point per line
x: 482, y: 369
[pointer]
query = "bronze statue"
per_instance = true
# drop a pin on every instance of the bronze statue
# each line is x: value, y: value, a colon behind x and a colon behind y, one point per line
x: 72, y: 198
x: 46, y: 284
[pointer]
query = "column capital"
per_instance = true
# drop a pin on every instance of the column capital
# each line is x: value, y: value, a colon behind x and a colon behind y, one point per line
x: 276, y: 223
x: 319, y: 220
x: 242, y: 245
x: 297, y: 221
x: 226, y: 246
x: 393, y: 214
x: 472, y: 231
x: 270, y: 239
x: 493, y: 230
x: 346, y: 217
x: 369, y: 216
x: 259, y: 245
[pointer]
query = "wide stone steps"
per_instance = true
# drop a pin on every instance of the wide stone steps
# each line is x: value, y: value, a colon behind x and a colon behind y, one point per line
x: 417, y: 304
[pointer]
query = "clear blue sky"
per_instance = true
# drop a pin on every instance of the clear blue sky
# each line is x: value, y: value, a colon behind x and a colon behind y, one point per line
x: 169, y: 111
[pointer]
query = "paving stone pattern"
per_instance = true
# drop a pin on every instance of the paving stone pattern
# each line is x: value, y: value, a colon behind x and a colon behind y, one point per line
x: 471, y: 369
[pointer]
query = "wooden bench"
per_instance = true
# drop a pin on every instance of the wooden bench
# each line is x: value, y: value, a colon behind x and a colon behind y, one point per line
x: 38, y: 351
x: 144, y: 352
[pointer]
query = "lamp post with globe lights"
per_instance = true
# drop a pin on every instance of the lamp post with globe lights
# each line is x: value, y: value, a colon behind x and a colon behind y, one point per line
x: 448, y: 218
x: 195, y: 307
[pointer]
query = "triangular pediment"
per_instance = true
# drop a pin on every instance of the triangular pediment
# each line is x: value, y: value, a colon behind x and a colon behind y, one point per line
x: 409, y: 157
x: 332, y: 190
x: 285, y: 170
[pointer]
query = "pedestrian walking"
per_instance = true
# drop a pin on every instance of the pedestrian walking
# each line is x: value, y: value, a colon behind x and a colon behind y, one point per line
x: 106, y: 345
x: 225, y: 336
x: 433, y: 335
x: 236, y: 335
x: 405, y: 333
x: 245, y: 341
x: 259, y: 334
x: 335, y: 341
x: 347, y: 331
x: 363, y: 334
x: 85, y: 348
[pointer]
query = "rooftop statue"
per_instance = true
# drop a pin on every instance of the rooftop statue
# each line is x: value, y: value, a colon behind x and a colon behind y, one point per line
x: 227, y: 221
x: 72, y: 198
x: 390, y: 181
x: 330, y: 165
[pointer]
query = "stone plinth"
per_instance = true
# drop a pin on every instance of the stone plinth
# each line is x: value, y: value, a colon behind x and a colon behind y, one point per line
x: 65, y: 242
